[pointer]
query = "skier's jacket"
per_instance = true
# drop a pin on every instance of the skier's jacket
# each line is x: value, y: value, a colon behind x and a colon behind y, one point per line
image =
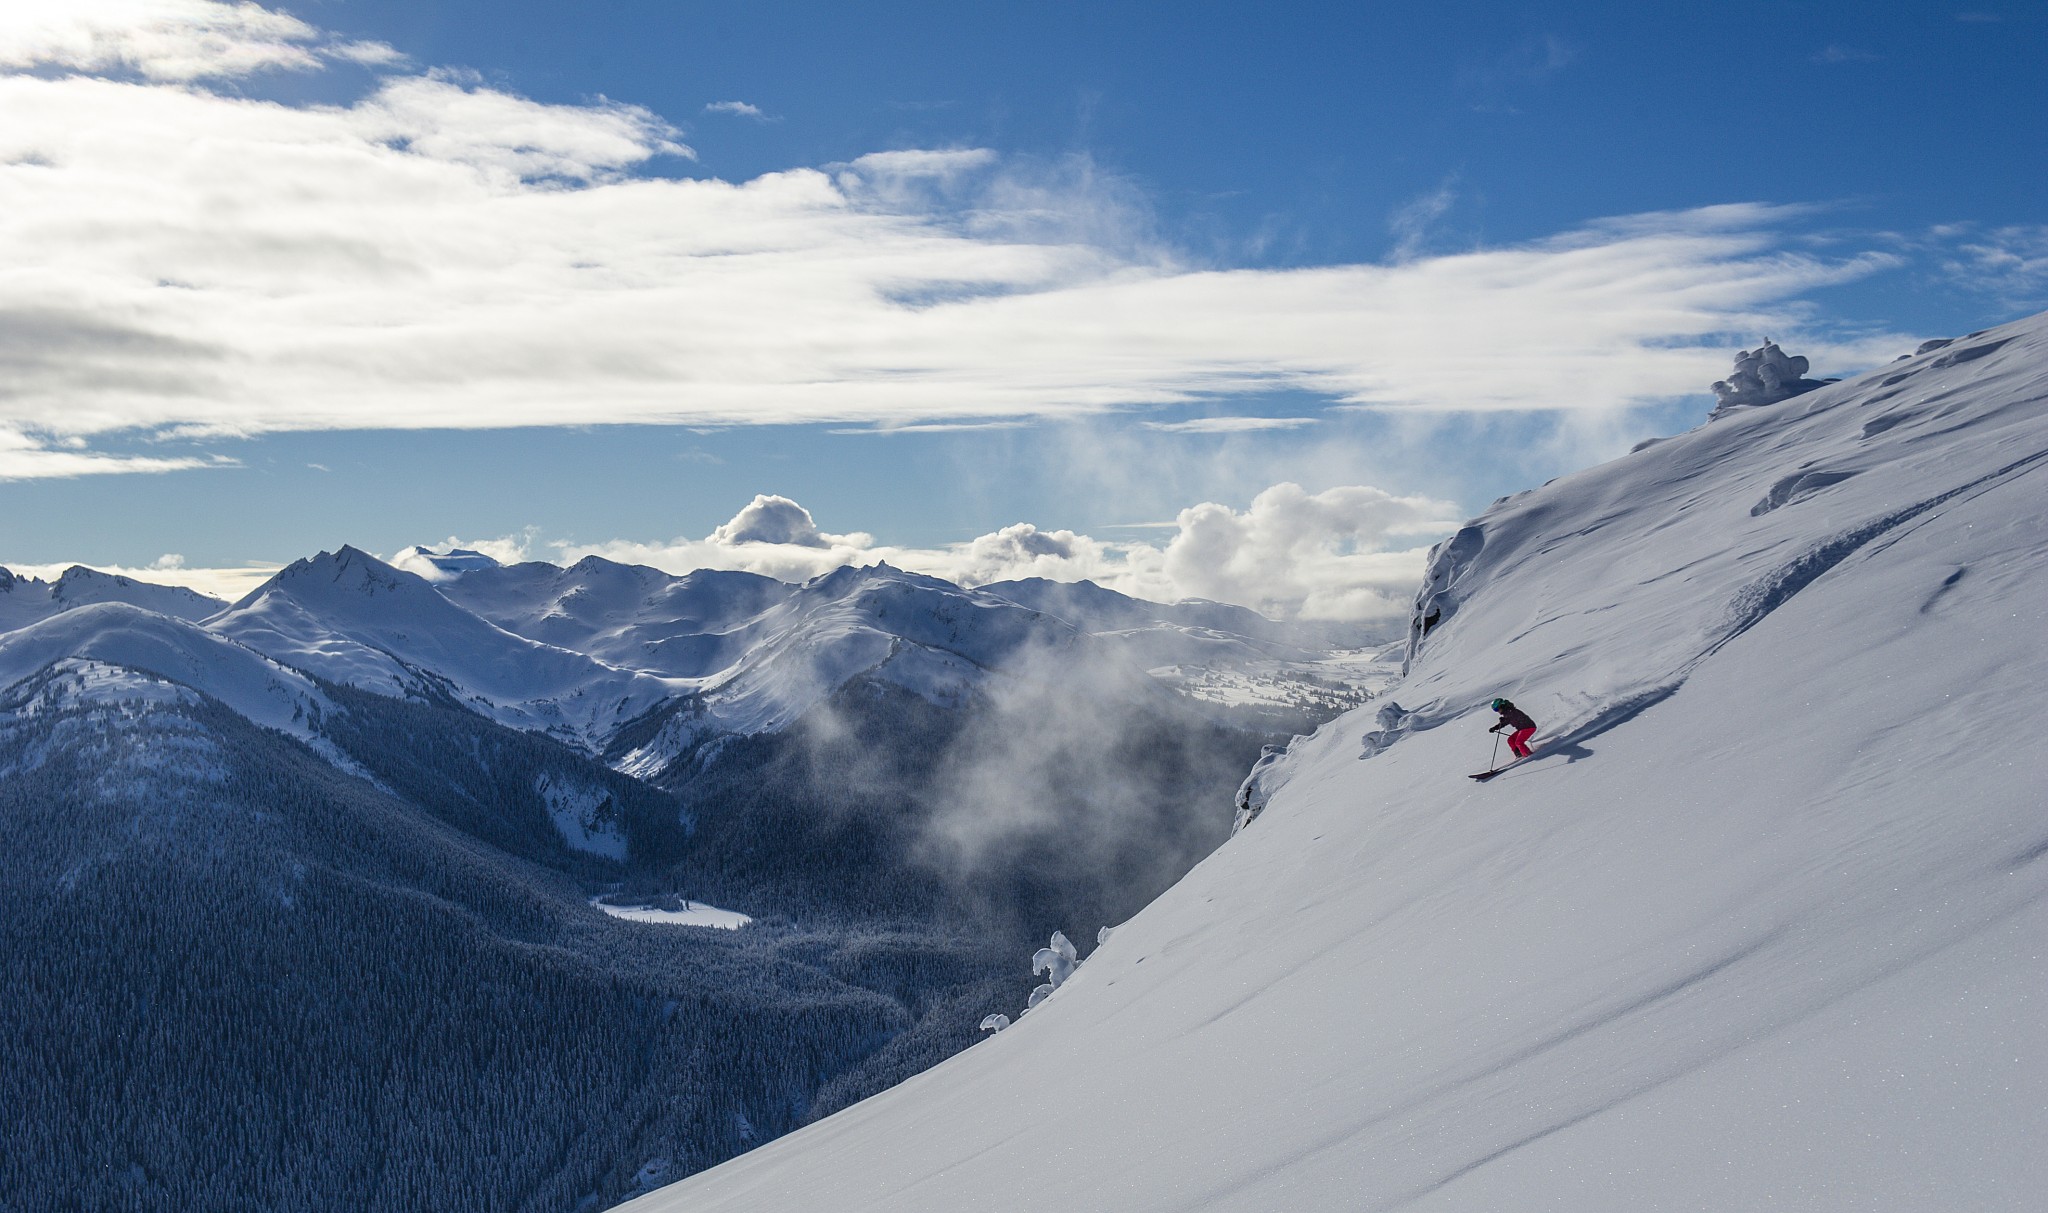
x: 1512, y: 717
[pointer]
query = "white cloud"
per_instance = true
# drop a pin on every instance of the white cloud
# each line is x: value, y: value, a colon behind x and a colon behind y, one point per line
x: 443, y: 254
x: 1327, y: 555
x: 452, y: 120
x: 738, y: 109
x: 778, y: 520
x: 170, y: 40
x: 30, y: 457
x: 506, y: 549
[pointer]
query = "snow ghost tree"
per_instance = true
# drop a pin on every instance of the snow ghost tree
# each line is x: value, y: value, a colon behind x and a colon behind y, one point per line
x: 1764, y: 375
x: 1056, y: 962
x: 1256, y: 789
x: 995, y: 1023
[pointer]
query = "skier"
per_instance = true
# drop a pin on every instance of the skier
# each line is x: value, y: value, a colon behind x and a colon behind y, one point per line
x: 1512, y: 717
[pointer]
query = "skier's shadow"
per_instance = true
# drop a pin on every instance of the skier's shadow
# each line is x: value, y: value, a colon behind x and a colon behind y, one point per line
x: 1570, y: 751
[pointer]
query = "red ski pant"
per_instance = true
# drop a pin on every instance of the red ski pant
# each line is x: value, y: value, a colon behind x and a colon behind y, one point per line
x: 1518, y: 741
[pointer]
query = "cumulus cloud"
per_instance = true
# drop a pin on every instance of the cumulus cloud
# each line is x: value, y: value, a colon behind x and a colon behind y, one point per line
x: 778, y: 520
x: 444, y: 254
x: 1328, y: 555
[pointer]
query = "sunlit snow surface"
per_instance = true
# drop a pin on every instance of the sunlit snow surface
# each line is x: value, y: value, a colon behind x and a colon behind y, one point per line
x: 695, y: 915
x: 1765, y: 926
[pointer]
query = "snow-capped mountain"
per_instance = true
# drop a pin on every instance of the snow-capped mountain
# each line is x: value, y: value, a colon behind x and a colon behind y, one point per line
x: 762, y: 652
x: 1758, y: 926
x: 24, y: 600
x: 350, y: 618
x: 633, y: 616
x: 93, y: 639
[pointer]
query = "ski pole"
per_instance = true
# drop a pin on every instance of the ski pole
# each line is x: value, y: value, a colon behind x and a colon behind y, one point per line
x: 1496, y: 752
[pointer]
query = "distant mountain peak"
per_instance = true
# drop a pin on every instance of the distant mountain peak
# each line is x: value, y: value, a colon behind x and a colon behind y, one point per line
x: 425, y: 562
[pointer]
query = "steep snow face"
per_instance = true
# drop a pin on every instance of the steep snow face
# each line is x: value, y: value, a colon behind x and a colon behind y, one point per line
x: 349, y: 617
x: 91, y: 641
x: 1759, y: 926
x: 24, y: 600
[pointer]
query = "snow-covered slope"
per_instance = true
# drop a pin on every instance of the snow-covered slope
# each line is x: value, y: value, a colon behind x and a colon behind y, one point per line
x: 351, y: 618
x: 1761, y: 926
x: 88, y: 641
x: 24, y: 600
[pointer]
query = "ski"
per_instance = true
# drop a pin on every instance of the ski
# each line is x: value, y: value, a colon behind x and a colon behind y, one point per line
x: 1483, y: 776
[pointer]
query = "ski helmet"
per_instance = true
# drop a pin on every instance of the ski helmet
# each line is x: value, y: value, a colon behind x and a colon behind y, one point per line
x: 1498, y: 704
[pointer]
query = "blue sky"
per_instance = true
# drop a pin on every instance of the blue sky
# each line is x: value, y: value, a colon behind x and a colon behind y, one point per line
x: 1060, y: 289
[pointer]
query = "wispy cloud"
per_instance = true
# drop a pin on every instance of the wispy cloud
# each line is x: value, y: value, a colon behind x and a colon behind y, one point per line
x: 445, y: 254
x: 1534, y: 59
x: 2008, y: 263
x: 25, y: 455
x: 1413, y: 222
x: 1228, y: 425
x: 1836, y: 53
x: 739, y: 109
x: 933, y: 427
